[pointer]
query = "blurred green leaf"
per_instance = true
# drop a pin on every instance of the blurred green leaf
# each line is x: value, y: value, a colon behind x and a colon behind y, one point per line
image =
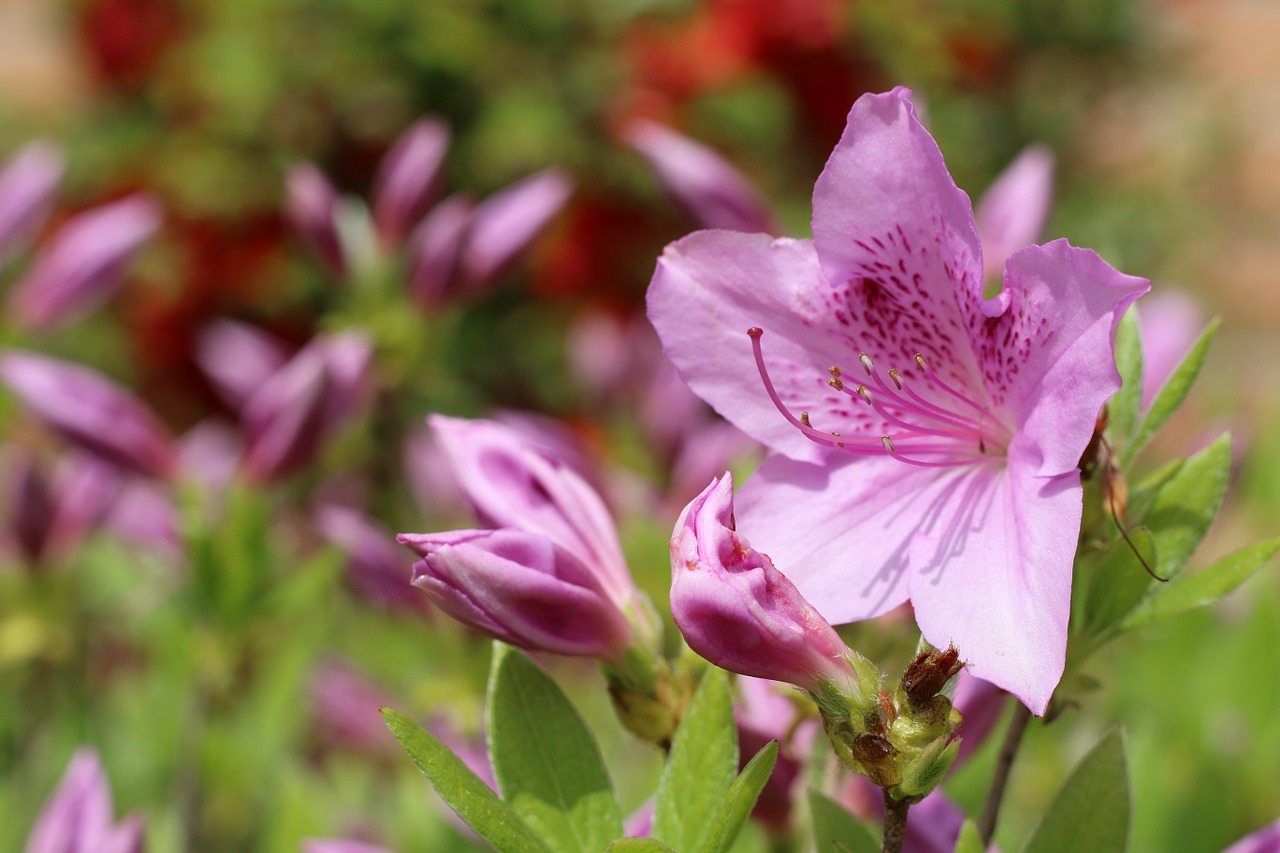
x: 1171, y: 395
x: 1091, y: 809
x: 1203, y: 587
x: 969, y: 840
x: 547, y: 762
x: 1124, y: 408
x: 638, y: 845
x: 464, y: 792
x: 836, y: 829
x: 736, y: 807
x: 700, y: 768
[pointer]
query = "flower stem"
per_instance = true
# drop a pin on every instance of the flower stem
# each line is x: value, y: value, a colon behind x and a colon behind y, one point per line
x: 895, y: 823
x: 1008, y: 750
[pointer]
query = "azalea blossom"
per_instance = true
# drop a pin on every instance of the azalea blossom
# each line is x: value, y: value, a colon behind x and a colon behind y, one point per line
x: 927, y: 439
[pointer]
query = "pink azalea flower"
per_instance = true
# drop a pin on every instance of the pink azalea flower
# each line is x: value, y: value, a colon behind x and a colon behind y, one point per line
x: 952, y: 481
x: 311, y: 205
x: 28, y: 183
x: 77, y: 818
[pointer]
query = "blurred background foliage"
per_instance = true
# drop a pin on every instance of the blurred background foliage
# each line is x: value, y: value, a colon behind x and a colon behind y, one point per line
x: 204, y: 711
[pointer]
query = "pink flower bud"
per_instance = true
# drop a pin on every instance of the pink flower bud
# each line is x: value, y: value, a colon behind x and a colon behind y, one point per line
x: 49, y: 515
x: 340, y: 845
x: 407, y: 178
x: 85, y: 263
x: 90, y: 411
x: 1013, y: 211
x: 698, y: 179
x: 521, y: 588
x: 512, y: 481
x: 435, y: 251
x: 28, y: 183
x: 503, y: 225
x: 376, y: 568
x: 238, y: 358
x: 77, y: 818
x: 310, y: 204
x: 738, y: 611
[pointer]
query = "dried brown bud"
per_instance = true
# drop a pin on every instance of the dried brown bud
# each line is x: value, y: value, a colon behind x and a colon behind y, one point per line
x: 877, y: 757
x: 926, y: 675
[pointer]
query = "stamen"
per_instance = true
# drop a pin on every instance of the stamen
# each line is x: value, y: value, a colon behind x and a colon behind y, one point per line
x: 835, y: 383
x: 866, y: 363
x: 834, y: 371
x: 896, y: 377
x: 937, y: 380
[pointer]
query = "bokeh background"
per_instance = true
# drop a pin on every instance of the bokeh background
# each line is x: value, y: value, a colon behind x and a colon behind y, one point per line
x: 1164, y: 120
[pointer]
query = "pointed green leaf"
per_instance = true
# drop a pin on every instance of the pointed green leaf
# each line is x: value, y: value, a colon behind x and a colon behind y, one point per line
x: 1124, y: 407
x: 637, y: 845
x: 1171, y: 395
x: 835, y: 830
x: 491, y: 818
x: 547, y: 762
x: 701, y: 766
x: 1205, y: 586
x: 736, y: 807
x: 969, y: 840
x: 1091, y: 809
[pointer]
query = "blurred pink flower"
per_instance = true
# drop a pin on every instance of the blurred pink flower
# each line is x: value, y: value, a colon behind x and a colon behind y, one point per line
x: 78, y: 816
x: 84, y: 263
x: 376, y: 568
x: 505, y: 224
x: 1169, y: 321
x: 699, y: 179
x: 311, y: 206
x: 407, y: 178
x: 238, y: 358
x: 28, y: 183
x: 1264, y: 840
x: 48, y: 514
x: 1014, y: 210
x: 952, y: 481
x: 346, y: 705
x: 91, y: 412
x: 340, y: 845
x: 435, y: 248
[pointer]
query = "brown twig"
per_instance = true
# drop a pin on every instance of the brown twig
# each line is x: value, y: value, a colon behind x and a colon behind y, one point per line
x: 1008, y: 750
x: 895, y: 823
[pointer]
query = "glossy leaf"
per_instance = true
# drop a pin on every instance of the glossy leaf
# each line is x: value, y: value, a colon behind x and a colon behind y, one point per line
x: 463, y: 791
x: 836, y: 830
x: 741, y: 799
x: 1171, y: 395
x: 700, y: 767
x: 546, y: 761
x: 1091, y: 810
x: 1205, y: 586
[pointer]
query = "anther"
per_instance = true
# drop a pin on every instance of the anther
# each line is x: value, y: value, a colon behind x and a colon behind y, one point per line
x: 835, y: 371
x: 835, y: 383
x: 864, y: 392
x: 755, y: 331
x: 866, y: 363
x: 920, y: 362
x: 888, y: 444
x: 804, y: 419
x: 896, y: 377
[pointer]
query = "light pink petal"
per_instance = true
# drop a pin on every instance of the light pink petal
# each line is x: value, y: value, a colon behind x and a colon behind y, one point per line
x: 340, y: 845
x: 311, y: 205
x: 980, y: 703
x: 407, y: 178
x: 1013, y: 211
x: 85, y: 262
x: 435, y: 250
x: 1048, y: 359
x: 699, y: 179
x: 504, y: 224
x: 897, y: 242
x: 1169, y: 321
x: 238, y: 358
x: 78, y: 814
x: 28, y: 183
x: 712, y: 286
x: 283, y: 421
x: 1263, y: 840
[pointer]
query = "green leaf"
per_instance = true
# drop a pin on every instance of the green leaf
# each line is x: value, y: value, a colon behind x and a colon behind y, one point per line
x: 1091, y: 809
x: 1171, y: 395
x: 835, y: 830
x: 735, y: 808
x: 1173, y: 518
x: 491, y: 818
x: 637, y: 845
x: 547, y: 762
x: 1124, y: 408
x: 1205, y: 586
x: 700, y: 767
x: 969, y: 840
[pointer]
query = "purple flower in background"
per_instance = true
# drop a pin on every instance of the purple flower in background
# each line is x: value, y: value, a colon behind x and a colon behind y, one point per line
x: 1013, y: 211
x: 28, y: 182
x: 435, y: 250
x: 91, y: 412
x: 238, y: 358
x: 521, y: 588
x: 1169, y: 321
x: 505, y: 224
x: 78, y: 816
x: 346, y: 706
x: 927, y: 439
x: 1264, y: 840
x: 407, y: 178
x: 311, y: 205
x: 765, y: 713
x: 375, y: 566
x: 697, y: 178
x: 738, y: 611
x: 340, y: 845
x: 48, y: 514
x: 85, y: 262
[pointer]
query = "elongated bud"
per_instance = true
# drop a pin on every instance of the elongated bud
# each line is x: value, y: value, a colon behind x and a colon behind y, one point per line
x: 1013, y: 211
x: 78, y: 816
x: 435, y: 251
x: 311, y: 205
x: 505, y: 224
x: 408, y: 178
x: 28, y: 183
x: 520, y: 588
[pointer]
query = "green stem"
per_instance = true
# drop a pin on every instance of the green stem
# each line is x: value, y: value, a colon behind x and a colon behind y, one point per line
x: 1008, y: 751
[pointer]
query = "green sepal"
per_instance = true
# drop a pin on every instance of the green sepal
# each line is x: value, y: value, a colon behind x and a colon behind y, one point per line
x: 1091, y: 810
x: 1204, y: 587
x: 927, y: 770
x: 463, y: 791
x: 836, y: 830
x: 969, y: 841
x: 736, y: 807
x: 546, y: 761
x: 700, y: 767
